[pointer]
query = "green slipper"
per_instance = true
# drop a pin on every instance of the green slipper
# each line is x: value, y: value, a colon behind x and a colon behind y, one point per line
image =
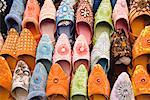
x: 79, y: 84
x: 103, y: 21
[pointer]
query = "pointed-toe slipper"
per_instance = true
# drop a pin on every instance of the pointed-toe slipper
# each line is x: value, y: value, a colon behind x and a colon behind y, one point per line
x: 81, y: 53
x: 44, y: 52
x: 103, y: 21
x: 1, y: 41
x: 79, y: 84
x: 139, y: 16
x: 98, y: 84
x: 38, y: 83
x: 65, y: 20
x: 113, y: 3
x: 122, y: 89
x: 8, y: 50
x: 31, y: 20
x: 20, y: 83
x: 96, y: 4
x: 62, y: 53
x: 5, y: 80
x: 47, y: 19
x: 26, y: 48
x: 57, y: 84
x: 14, y: 18
x: 84, y: 20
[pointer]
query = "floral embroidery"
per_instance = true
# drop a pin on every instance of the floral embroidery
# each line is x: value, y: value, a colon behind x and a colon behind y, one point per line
x: 85, y: 12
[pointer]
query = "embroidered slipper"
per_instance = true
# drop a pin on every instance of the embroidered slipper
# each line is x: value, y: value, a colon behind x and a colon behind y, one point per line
x: 8, y: 50
x: 20, y: 83
x: 84, y: 20
x: 103, y: 22
x: 122, y: 89
x: 141, y: 49
x: 101, y: 52
x: 47, y: 20
x: 113, y: 3
x: 79, y: 84
x: 14, y: 18
x: 65, y: 20
x: 30, y: 19
x: 139, y: 17
x: 5, y: 80
x: 141, y: 83
x: 26, y: 48
x: 98, y: 84
x: 96, y: 4
x: 57, y: 84
x: 1, y: 41
x: 62, y: 53
x: 44, y: 52
x: 38, y: 83
x: 81, y: 53
x: 120, y: 48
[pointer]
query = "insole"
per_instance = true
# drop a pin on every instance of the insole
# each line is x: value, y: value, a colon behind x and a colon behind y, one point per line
x: 56, y: 97
x: 65, y: 66
x: 84, y: 28
x: 122, y: 24
x: 21, y: 94
x: 79, y: 62
x: 13, y: 24
x: 97, y: 97
x: 78, y: 97
x: 48, y: 27
x: 137, y: 26
x: 143, y: 97
x: 102, y: 27
x: 4, y: 94
x: 37, y: 98
x: 104, y: 63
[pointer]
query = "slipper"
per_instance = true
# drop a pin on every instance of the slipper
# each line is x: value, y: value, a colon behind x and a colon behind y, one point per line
x: 5, y: 80
x: 62, y: 53
x: 113, y: 3
x: 98, y: 84
x: 57, y: 84
x: 8, y: 50
x: 84, y: 20
x: 141, y: 83
x: 79, y: 84
x: 31, y: 20
x: 47, y: 19
x: 44, y: 52
x: 103, y: 21
x: 139, y: 16
x: 65, y: 20
x: 20, y: 83
x: 141, y: 49
x: 101, y: 52
x: 38, y: 83
x: 81, y: 53
x: 1, y: 41
x: 96, y: 4
x: 122, y: 89
x: 26, y: 48
x: 14, y: 18
x: 120, y: 48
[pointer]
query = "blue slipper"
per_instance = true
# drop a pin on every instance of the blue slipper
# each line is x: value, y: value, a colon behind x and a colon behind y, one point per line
x: 65, y: 20
x: 44, y: 51
x: 96, y: 5
x: 14, y: 18
x: 113, y: 2
x: 38, y: 83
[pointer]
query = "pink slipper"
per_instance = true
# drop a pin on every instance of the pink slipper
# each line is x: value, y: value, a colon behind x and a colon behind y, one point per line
x: 81, y: 54
x: 62, y: 53
x: 47, y: 19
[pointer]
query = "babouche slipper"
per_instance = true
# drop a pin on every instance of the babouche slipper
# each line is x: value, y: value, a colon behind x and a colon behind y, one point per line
x: 47, y: 19
x: 5, y: 80
x: 1, y: 41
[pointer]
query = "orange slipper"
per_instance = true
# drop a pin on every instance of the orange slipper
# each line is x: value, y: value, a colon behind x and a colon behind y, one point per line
x: 1, y: 41
x: 141, y: 83
x: 31, y: 18
x: 9, y: 49
x: 57, y: 84
x: 139, y: 16
x: 26, y: 48
x: 141, y: 48
x: 98, y: 84
x: 5, y: 80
